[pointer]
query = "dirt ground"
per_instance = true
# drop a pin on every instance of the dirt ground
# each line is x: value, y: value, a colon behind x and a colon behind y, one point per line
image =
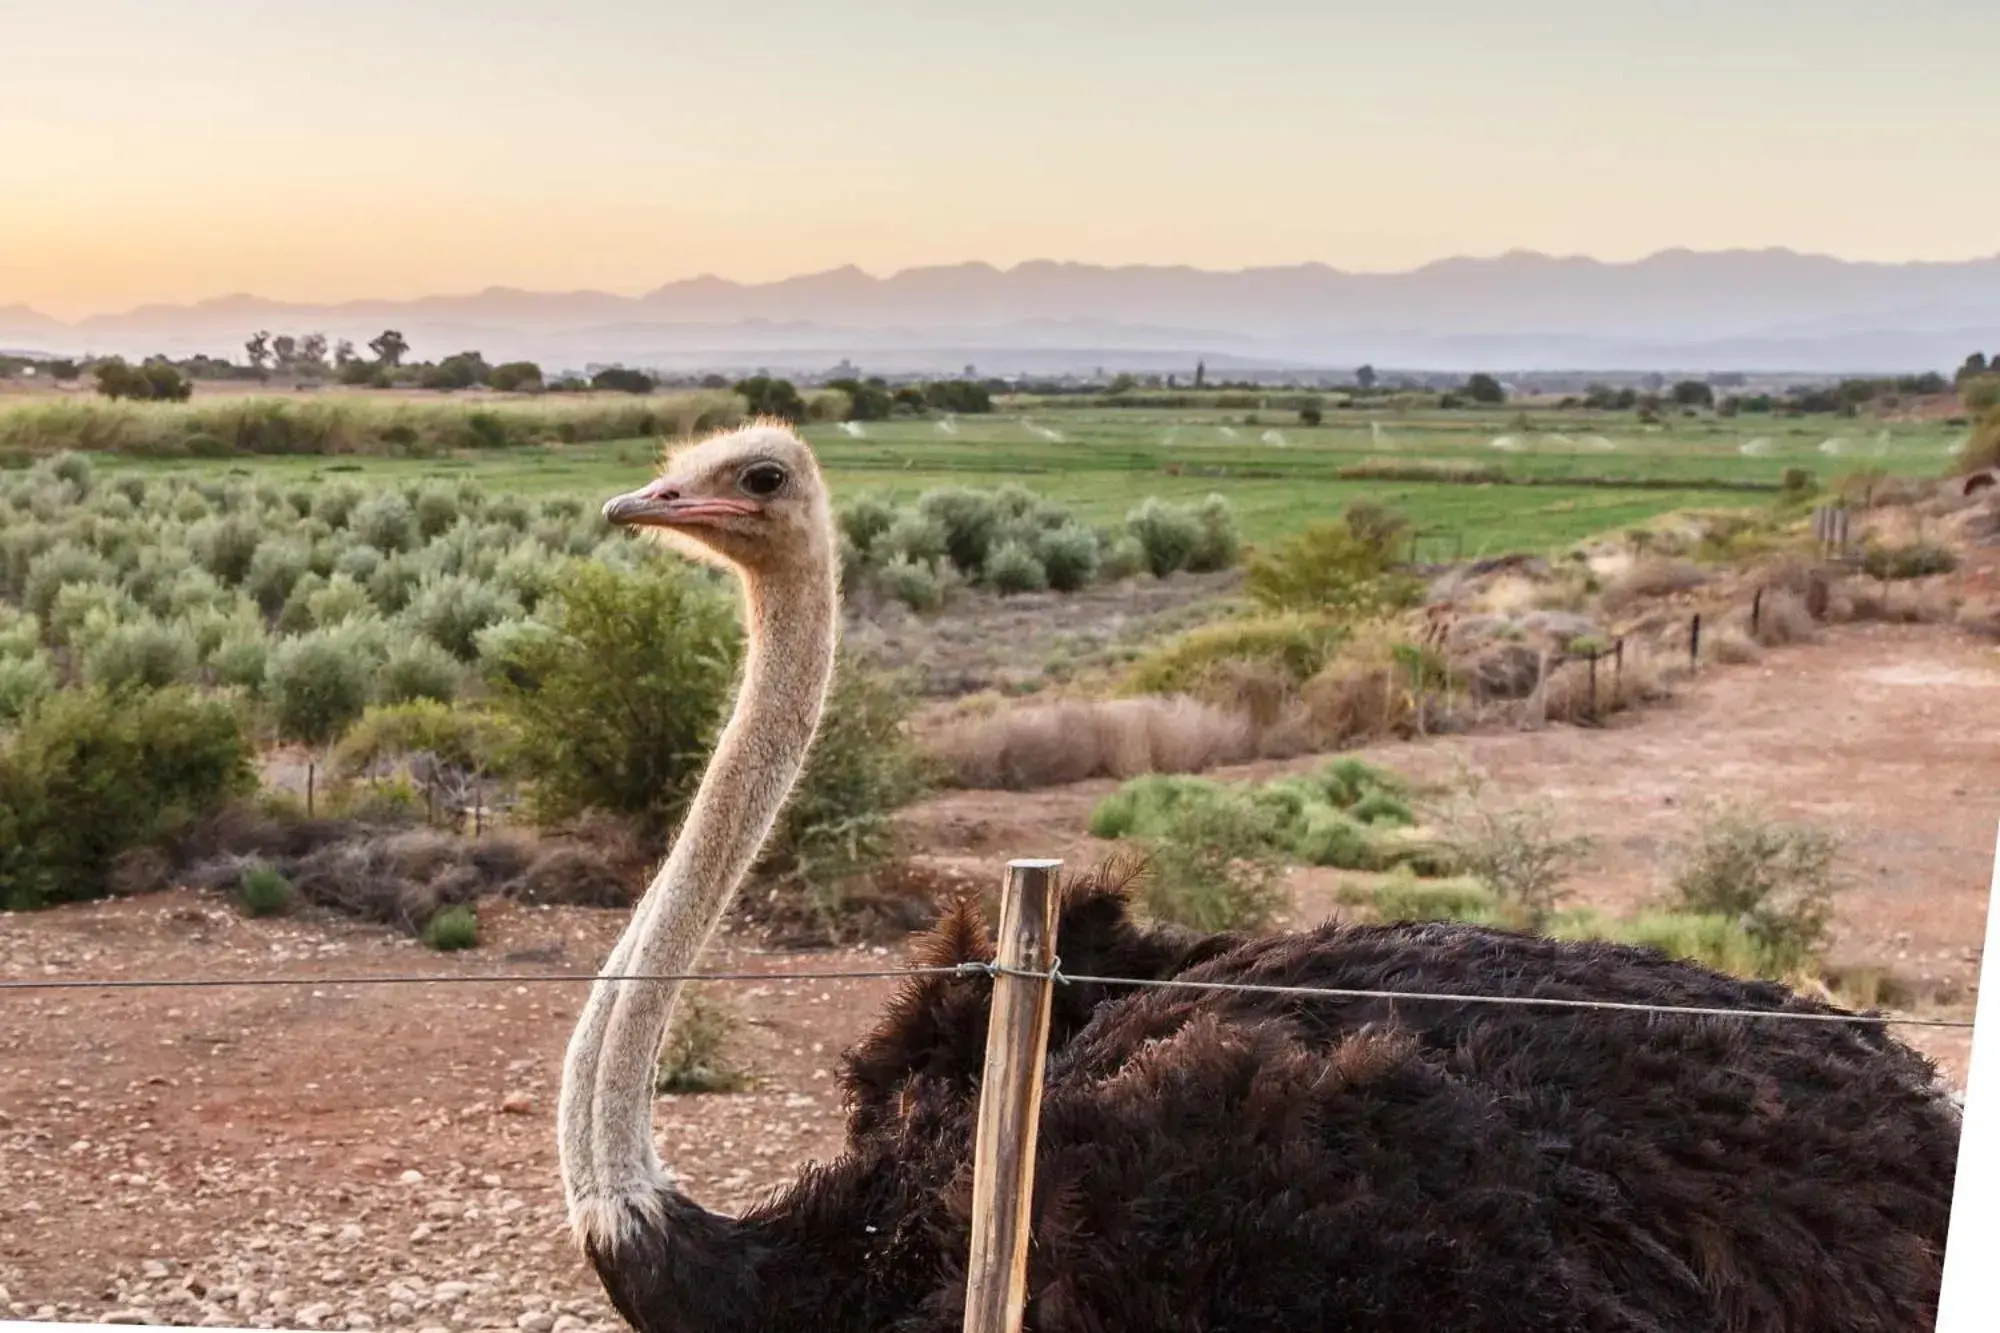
x: 369, y: 1157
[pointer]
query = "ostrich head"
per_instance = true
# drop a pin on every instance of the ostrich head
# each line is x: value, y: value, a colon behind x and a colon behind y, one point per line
x: 752, y: 498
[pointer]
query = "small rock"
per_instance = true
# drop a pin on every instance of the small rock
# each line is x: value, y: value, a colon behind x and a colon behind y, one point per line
x: 420, y: 1232
x: 349, y: 1234
x: 568, y: 1323
x: 155, y: 1271
x: 311, y: 1316
x: 129, y: 1317
x: 517, y: 1103
x: 411, y: 1178
x: 536, y: 1321
x: 446, y: 1292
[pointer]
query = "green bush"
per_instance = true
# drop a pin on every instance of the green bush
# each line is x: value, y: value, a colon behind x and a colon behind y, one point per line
x: 913, y: 536
x: 460, y: 738
x: 143, y: 654
x: 915, y: 585
x: 316, y: 684
x: 1404, y: 897
x: 1515, y: 851
x: 1214, y: 870
x: 264, y: 892
x: 1013, y: 568
x: 452, y: 928
x: 436, y: 508
x: 242, y: 659
x: 227, y: 546
x: 1168, y: 535
x: 617, y: 708
x: 1914, y: 560
x: 1710, y: 940
x: 1331, y: 837
x: 24, y: 682
x: 1219, y: 543
x: 451, y: 609
x: 969, y: 521
x: 1341, y: 569
x: 1296, y: 646
x: 274, y: 571
x: 338, y: 599
x: 1146, y: 806
x: 1069, y: 556
x: 1777, y: 881
x: 384, y: 521
x: 418, y: 669
x: 866, y: 519
x: 92, y: 774
x: 1123, y: 557
x: 61, y: 566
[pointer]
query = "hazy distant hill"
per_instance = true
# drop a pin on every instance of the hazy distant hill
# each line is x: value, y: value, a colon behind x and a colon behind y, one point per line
x: 1728, y: 310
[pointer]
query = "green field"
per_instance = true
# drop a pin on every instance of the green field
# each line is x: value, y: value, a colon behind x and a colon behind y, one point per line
x: 1590, y: 472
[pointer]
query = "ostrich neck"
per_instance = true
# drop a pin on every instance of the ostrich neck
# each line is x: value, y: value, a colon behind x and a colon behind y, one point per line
x: 611, y: 1175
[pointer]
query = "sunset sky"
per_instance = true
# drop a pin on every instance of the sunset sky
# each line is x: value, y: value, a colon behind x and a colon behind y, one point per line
x: 168, y: 150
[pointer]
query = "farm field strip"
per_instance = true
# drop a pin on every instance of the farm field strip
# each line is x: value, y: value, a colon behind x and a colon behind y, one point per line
x: 1280, y: 477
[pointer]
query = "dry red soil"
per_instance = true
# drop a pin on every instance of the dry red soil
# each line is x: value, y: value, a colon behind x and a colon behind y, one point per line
x: 354, y: 1156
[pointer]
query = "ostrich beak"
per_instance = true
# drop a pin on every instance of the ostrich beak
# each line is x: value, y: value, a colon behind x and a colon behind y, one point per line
x: 662, y: 505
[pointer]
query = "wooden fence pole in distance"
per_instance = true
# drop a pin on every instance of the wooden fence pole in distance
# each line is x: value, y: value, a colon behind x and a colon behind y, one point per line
x: 1010, y: 1101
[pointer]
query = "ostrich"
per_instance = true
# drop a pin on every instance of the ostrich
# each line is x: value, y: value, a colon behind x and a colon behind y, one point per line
x: 1231, y: 1160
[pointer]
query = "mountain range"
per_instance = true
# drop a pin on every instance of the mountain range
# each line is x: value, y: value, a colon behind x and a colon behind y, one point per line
x: 1744, y: 310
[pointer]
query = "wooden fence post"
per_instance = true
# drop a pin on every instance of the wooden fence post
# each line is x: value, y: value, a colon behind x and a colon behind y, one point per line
x: 1694, y: 643
x: 1010, y: 1101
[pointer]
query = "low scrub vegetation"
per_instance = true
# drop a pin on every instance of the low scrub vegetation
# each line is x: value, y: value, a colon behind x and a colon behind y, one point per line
x: 1911, y: 560
x: 433, y: 649
x: 264, y: 892
x: 1010, y: 540
x: 1515, y: 852
x: 1346, y: 570
x: 1776, y: 880
x: 226, y: 427
x: 452, y: 929
x: 90, y: 775
x: 1347, y: 815
x: 1745, y: 895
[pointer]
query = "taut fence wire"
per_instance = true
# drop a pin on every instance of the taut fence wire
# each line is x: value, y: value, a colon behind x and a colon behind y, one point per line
x: 1054, y: 974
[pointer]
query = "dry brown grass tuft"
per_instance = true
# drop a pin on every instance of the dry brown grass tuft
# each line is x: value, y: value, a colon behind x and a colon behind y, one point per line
x: 1651, y: 577
x: 1912, y: 603
x: 1047, y: 745
x: 1783, y: 619
x: 1981, y: 618
x: 1565, y: 696
x: 1363, y: 693
x: 1731, y: 645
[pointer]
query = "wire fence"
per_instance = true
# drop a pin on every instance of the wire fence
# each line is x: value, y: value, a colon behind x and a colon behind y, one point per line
x: 1054, y: 974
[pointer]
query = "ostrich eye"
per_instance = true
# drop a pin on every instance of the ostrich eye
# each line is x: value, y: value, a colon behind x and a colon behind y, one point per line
x: 763, y: 478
